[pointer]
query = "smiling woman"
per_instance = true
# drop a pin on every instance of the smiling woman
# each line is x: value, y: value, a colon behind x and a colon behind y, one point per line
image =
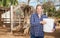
x: 37, y: 22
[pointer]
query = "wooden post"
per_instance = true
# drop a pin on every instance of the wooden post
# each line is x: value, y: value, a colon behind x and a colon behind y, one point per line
x: 46, y: 13
x: 11, y: 18
x: 1, y: 11
x: 0, y: 19
x: 19, y: 19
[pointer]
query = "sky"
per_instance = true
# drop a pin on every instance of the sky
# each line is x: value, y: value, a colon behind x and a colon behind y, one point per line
x: 34, y: 2
x: 22, y: 0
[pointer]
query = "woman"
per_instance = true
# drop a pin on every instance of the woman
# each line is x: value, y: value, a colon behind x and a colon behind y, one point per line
x: 36, y: 21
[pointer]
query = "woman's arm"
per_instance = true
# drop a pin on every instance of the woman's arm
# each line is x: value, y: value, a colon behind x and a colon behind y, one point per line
x: 33, y: 22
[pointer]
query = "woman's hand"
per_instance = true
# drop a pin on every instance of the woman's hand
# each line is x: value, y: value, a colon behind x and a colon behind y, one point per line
x: 43, y: 22
x: 53, y: 30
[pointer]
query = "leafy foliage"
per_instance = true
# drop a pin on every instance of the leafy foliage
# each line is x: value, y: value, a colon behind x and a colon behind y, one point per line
x: 7, y: 3
x: 50, y: 8
x: 57, y: 13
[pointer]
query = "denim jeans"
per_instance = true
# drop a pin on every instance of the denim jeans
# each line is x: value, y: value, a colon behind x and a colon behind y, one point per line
x: 32, y: 36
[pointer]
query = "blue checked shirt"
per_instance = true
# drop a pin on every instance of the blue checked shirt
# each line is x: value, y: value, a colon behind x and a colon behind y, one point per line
x: 36, y: 28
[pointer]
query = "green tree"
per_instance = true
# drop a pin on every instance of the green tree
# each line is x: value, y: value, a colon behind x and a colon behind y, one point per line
x: 49, y: 8
x: 7, y: 3
x: 57, y: 13
x: 4, y: 2
x: 14, y: 2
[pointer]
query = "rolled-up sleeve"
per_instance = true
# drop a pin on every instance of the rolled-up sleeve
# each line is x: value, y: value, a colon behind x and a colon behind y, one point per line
x: 33, y: 22
x: 44, y: 16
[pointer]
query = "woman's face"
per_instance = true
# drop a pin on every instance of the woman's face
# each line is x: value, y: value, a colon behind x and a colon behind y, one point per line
x: 39, y: 10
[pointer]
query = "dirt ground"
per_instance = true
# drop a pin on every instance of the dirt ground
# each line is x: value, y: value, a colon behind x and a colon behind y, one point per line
x: 4, y: 34
x: 12, y: 36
